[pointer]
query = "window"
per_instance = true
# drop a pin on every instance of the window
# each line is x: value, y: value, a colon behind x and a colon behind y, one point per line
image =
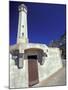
x: 22, y: 26
x: 22, y: 34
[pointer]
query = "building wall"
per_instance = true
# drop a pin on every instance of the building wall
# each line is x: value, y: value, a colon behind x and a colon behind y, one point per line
x: 52, y: 64
x: 18, y: 77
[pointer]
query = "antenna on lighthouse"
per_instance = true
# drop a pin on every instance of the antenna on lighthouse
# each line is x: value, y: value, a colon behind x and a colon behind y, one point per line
x: 22, y: 36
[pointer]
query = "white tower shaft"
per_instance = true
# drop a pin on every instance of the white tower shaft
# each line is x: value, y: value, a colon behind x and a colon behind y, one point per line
x: 22, y: 36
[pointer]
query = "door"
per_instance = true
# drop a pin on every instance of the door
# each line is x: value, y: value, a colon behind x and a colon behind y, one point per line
x: 33, y: 70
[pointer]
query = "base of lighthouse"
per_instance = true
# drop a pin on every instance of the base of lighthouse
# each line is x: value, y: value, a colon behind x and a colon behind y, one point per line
x: 33, y: 71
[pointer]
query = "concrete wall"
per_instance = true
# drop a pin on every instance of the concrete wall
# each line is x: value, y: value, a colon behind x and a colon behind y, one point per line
x: 18, y: 77
x: 52, y: 64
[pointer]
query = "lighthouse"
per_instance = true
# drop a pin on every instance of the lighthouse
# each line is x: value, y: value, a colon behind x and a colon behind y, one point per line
x: 22, y: 36
x: 31, y: 63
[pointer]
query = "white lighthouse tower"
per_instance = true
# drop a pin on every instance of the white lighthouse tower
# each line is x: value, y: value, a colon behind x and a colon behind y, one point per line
x: 22, y: 25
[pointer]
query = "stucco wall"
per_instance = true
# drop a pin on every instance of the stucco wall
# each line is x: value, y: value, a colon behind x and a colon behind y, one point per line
x: 18, y: 77
x: 52, y: 64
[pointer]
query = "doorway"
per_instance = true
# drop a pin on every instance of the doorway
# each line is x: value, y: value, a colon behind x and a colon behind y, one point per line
x: 32, y: 70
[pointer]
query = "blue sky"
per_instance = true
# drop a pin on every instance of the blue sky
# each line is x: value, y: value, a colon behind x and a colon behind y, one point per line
x: 46, y: 22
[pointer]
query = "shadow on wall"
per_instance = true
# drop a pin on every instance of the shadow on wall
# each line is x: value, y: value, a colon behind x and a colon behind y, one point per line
x: 28, y: 54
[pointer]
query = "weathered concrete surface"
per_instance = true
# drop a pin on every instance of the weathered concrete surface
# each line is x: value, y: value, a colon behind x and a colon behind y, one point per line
x: 50, y: 73
x: 57, y: 79
x: 51, y: 65
x: 18, y: 77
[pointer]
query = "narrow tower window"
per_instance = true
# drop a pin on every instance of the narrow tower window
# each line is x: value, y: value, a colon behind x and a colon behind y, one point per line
x: 22, y: 34
x: 22, y: 26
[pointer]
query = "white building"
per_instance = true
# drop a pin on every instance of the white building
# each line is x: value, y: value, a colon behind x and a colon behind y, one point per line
x: 31, y: 63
